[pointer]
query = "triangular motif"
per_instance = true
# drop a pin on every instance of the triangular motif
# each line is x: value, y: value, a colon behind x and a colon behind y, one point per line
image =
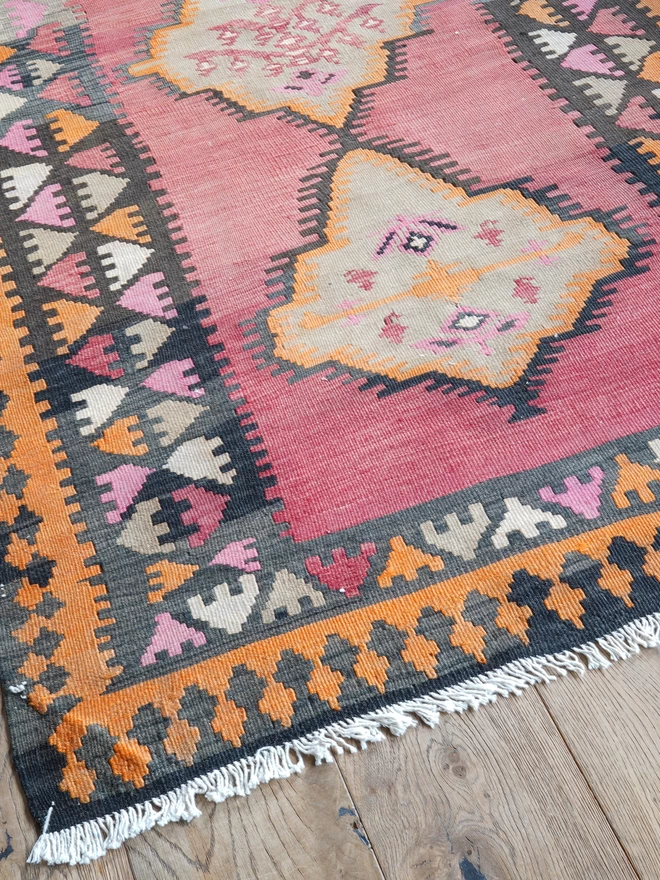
x: 49, y: 208
x: 10, y: 78
x: 22, y: 182
x: 201, y: 459
x: 631, y: 50
x: 580, y: 8
x: 651, y: 68
x: 122, y: 438
x: 100, y: 403
x: 41, y: 70
x: 122, y: 261
x: 71, y: 275
x: 9, y: 104
x: 612, y: 21
x: 125, y: 483
x: 167, y: 576
x: 97, y: 192
x: 101, y: 158
x: 68, y: 128
x: 25, y: 15
x: 22, y: 138
x: 170, y: 636
x: 45, y: 246
x: 405, y: 561
x: 50, y: 38
x: 206, y: 511
x: 97, y: 356
x: 171, y: 418
x: 591, y: 60
x: 5, y: 53
x: 70, y: 320
x: 150, y: 296
x: 125, y: 223
x: 649, y: 148
x: 66, y: 89
x: 640, y: 116
x: 553, y: 44
x: 542, y: 12
x: 605, y: 93
x: 176, y: 377
x: 150, y: 335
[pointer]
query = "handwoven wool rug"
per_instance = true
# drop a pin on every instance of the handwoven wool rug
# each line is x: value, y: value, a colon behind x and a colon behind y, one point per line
x: 329, y: 376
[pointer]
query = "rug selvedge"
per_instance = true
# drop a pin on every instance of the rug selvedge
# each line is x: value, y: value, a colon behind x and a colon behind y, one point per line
x: 160, y: 552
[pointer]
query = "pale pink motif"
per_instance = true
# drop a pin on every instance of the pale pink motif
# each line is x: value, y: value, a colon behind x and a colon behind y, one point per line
x: 176, y: 377
x: 579, y: 497
x: 526, y: 290
x: 346, y: 305
x: 125, y: 483
x: 22, y: 138
x: 534, y: 246
x: 239, y: 554
x: 24, y: 16
x: 363, y: 278
x: 170, y: 635
x: 150, y: 296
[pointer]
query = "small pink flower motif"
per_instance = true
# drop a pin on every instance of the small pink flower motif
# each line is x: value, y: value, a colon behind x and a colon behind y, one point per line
x: 204, y: 63
x: 346, y: 306
x: 371, y: 23
x: 326, y: 8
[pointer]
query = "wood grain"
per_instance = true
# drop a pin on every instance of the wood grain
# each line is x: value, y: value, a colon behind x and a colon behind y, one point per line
x: 487, y: 795
x: 610, y: 720
x: 305, y: 827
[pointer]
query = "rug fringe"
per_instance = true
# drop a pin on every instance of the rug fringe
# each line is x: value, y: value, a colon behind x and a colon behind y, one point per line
x: 83, y: 843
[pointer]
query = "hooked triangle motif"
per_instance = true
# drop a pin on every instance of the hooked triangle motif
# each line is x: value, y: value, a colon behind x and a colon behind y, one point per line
x: 68, y: 128
x: 22, y: 137
x: 150, y: 335
x: 640, y: 116
x: 651, y: 68
x: 649, y: 148
x: 101, y: 158
x: 71, y: 275
x: 167, y: 576
x: 200, y: 459
x: 125, y: 483
x: 171, y: 418
x: 542, y: 12
x: 176, y: 377
x: 170, y: 636
x: 149, y: 295
x: 206, y: 511
x: 74, y: 318
x: 100, y: 403
x: 50, y: 208
x: 122, y: 438
x: 10, y: 78
x: 126, y: 223
x: 45, y: 246
x: 591, y: 60
x: 21, y: 182
x: 50, y: 38
x: 580, y: 8
x: 122, y: 261
x: 5, y: 53
x: 97, y: 356
x: 631, y: 50
x: 605, y: 93
x: 41, y: 69
x: 612, y: 21
x: 9, y: 104
x: 25, y: 15
x: 98, y: 191
x: 405, y: 561
x: 67, y: 89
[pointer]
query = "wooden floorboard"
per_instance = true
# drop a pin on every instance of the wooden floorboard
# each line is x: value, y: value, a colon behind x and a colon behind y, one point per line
x: 610, y: 721
x: 487, y: 795
x: 561, y: 783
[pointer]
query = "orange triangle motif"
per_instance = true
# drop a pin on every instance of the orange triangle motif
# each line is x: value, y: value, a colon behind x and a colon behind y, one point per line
x: 68, y: 128
x: 405, y: 561
x: 167, y: 576
x: 648, y: 145
x: 5, y: 53
x: 75, y: 320
x: 126, y: 223
x: 651, y: 68
x: 118, y: 439
x: 542, y: 12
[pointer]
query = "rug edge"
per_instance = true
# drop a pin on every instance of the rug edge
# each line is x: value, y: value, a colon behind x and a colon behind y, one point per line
x: 90, y: 840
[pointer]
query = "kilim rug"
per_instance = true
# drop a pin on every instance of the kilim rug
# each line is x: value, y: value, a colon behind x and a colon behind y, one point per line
x: 330, y: 379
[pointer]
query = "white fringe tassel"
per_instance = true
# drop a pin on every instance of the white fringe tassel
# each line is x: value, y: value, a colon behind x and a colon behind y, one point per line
x: 82, y: 843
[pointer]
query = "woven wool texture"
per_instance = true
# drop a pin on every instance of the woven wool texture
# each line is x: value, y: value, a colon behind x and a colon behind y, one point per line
x: 329, y: 379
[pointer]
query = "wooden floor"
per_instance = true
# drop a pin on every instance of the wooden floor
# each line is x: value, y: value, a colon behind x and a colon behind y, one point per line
x: 560, y: 783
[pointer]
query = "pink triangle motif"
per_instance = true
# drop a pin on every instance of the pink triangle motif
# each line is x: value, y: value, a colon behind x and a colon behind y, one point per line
x: 171, y: 378
x: 590, y: 59
x: 239, y: 554
x: 125, y: 483
x: 49, y: 208
x: 609, y: 21
x: 10, y: 78
x: 580, y: 8
x: 94, y: 357
x: 170, y: 635
x: 66, y: 90
x: 101, y: 158
x: 145, y: 297
x: 50, y: 38
x: 71, y: 275
x: 206, y: 512
x: 638, y: 115
x: 22, y: 138
x: 24, y: 16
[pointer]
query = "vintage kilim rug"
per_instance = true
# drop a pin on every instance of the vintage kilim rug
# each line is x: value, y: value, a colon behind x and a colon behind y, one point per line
x: 330, y: 379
